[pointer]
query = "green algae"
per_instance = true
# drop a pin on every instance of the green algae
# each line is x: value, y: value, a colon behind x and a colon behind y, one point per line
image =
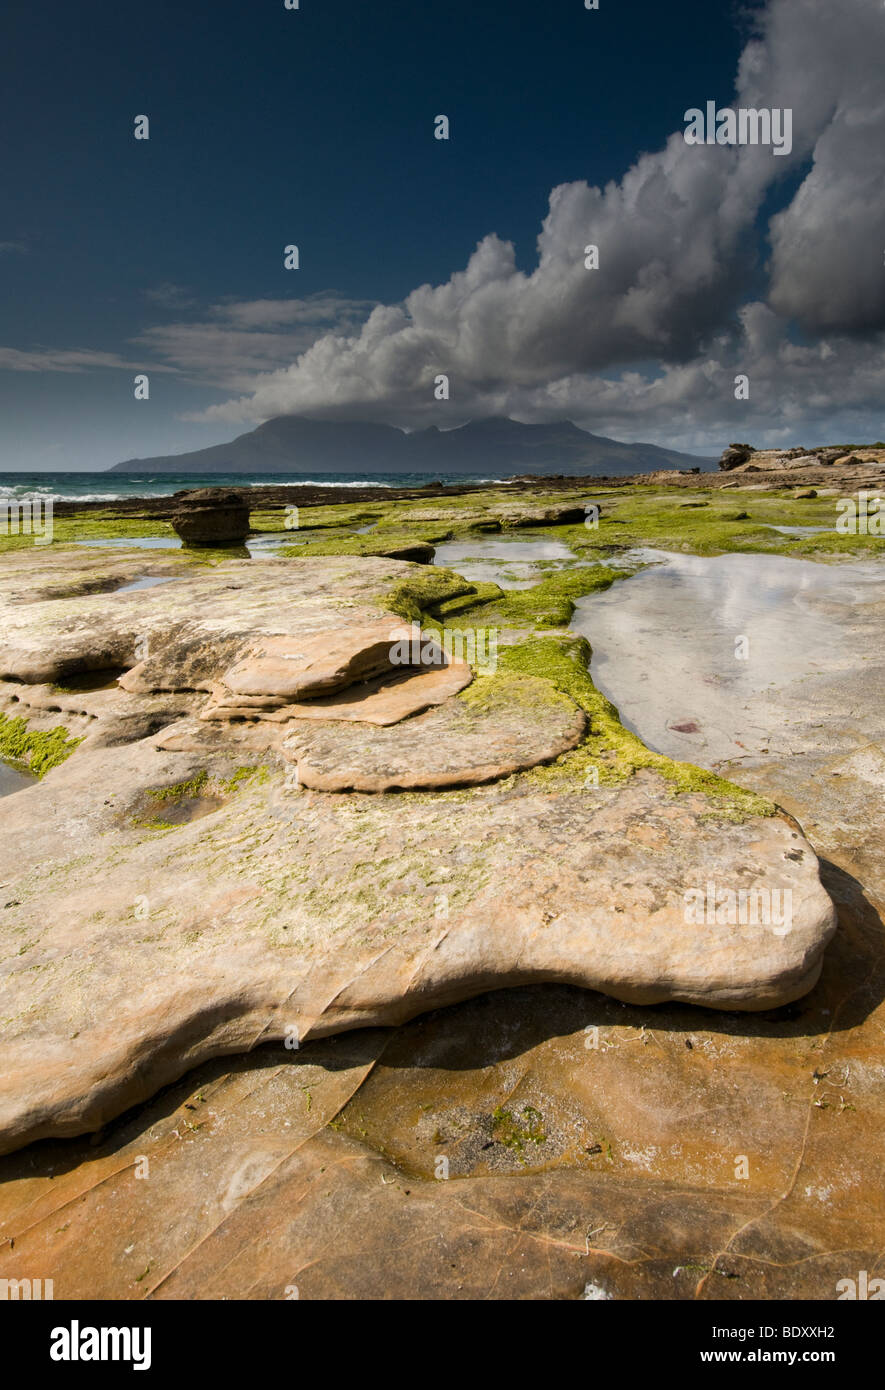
x: 38, y: 752
x: 201, y: 784
x: 247, y: 775
x: 514, y: 1132
x: 441, y: 595
x: 609, y: 754
x: 610, y: 751
x: 548, y: 604
x: 195, y: 786
x: 718, y: 521
x: 419, y: 593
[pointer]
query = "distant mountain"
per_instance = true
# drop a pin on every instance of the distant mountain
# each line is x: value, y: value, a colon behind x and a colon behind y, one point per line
x: 494, y: 447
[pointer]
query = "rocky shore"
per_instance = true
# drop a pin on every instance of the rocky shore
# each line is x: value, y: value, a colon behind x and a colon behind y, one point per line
x: 367, y: 943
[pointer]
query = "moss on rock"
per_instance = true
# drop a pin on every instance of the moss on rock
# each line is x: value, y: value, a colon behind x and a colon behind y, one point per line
x: 37, y: 751
x: 611, y: 750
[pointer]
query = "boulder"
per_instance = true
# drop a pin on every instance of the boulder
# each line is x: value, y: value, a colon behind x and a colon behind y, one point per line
x: 735, y: 454
x: 211, y: 516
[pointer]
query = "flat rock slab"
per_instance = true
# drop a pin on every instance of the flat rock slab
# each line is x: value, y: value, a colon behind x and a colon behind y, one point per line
x: 315, y: 664
x: 235, y: 908
x: 181, y: 636
x: 385, y: 700
x: 306, y: 914
x: 456, y: 745
x: 628, y: 1187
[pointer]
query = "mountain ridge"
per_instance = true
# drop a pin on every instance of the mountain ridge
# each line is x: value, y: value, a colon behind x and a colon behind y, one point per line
x: 492, y: 444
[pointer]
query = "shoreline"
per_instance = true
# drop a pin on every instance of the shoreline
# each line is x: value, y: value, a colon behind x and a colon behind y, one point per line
x: 844, y: 479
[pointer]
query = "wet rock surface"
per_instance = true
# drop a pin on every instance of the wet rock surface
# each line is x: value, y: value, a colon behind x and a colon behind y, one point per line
x: 641, y: 1149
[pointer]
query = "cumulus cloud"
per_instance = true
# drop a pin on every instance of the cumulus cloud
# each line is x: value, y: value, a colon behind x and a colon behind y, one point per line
x: 824, y: 61
x: 677, y: 236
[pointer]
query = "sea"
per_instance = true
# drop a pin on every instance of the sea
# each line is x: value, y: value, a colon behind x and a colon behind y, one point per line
x: 112, y: 487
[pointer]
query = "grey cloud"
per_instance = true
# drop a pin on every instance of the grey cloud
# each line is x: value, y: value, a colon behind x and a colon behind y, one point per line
x: 676, y: 238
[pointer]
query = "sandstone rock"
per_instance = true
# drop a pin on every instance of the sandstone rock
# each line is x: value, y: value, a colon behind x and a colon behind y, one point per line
x: 234, y: 908
x: 329, y: 1153
x: 416, y: 551
x: 735, y: 454
x: 543, y: 516
x: 316, y: 663
x: 384, y: 700
x: 454, y: 746
x: 211, y: 516
x: 321, y: 913
x: 179, y: 636
x: 861, y: 456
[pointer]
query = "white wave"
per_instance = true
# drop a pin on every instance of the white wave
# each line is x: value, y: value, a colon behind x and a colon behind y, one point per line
x: 46, y: 495
x: 312, y: 482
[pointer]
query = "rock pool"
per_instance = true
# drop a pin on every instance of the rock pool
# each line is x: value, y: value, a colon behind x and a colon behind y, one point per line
x: 510, y: 564
x: 699, y: 652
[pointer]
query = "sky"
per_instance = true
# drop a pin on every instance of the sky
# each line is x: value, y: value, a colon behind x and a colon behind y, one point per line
x: 315, y: 127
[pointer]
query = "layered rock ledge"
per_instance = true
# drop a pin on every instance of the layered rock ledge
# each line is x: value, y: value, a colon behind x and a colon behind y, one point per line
x: 173, y: 894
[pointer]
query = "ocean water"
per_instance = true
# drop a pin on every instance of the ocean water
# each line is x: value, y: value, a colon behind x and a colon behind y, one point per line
x: 111, y: 487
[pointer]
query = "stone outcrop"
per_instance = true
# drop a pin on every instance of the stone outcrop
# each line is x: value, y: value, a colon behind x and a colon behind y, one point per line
x: 456, y: 745
x: 387, y: 699
x: 743, y: 458
x: 734, y: 455
x: 278, y: 910
x: 296, y: 668
x: 239, y: 903
x: 211, y: 516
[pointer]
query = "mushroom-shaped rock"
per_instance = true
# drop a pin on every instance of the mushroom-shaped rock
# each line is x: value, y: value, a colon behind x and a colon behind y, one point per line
x: 211, y: 516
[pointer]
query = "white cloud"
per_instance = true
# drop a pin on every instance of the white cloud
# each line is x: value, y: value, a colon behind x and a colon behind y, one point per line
x: 648, y: 345
x: 676, y: 238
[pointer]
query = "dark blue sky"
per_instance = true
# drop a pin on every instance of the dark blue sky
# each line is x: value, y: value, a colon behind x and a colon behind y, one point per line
x: 270, y: 126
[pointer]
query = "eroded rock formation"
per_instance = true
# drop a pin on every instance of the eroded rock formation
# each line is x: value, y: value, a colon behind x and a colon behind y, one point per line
x: 211, y: 516
x: 239, y: 903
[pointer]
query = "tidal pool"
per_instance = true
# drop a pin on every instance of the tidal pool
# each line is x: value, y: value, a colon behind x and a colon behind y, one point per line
x: 146, y: 581
x: 703, y: 654
x: 256, y: 545
x: 509, y: 564
x: 799, y: 530
x: 136, y: 542
x: 12, y: 780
